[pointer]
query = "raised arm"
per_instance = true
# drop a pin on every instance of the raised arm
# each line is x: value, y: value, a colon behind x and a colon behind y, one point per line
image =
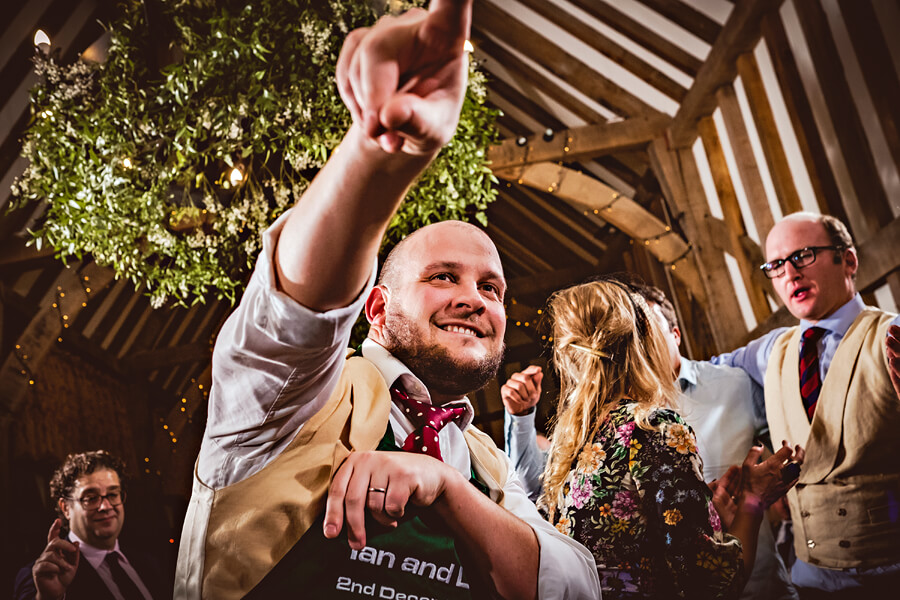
x: 404, y: 82
x: 520, y: 395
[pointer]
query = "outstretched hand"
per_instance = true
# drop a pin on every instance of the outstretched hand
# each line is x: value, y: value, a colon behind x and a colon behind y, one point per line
x: 55, y: 568
x: 382, y: 484
x: 762, y: 483
x: 893, y: 355
x: 404, y: 79
x: 522, y: 390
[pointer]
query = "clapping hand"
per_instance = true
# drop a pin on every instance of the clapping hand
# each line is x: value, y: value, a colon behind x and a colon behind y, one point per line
x: 522, y: 390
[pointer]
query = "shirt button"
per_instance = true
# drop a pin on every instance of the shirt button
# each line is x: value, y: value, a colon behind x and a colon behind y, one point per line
x: 844, y: 544
x: 842, y: 512
x: 810, y: 543
x: 804, y: 513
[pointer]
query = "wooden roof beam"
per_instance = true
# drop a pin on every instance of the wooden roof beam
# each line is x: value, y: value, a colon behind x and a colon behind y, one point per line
x: 608, y: 48
x: 558, y: 211
x: 671, y: 53
x: 579, y: 143
x: 666, y: 245
x: 739, y: 35
x: 529, y: 78
x: 687, y: 17
x: 523, y: 103
x: 570, y: 69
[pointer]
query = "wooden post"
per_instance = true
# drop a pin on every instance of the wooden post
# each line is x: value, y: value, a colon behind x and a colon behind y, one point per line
x: 768, y: 134
x: 680, y: 182
x: 732, y: 212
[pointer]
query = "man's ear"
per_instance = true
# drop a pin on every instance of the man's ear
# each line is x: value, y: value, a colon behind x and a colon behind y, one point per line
x: 64, y: 507
x: 376, y: 305
x: 677, y: 333
x: 851, y: 260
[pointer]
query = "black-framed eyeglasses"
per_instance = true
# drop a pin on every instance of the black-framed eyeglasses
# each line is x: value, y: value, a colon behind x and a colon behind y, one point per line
x: 801, y: 258
x: 94, y: 501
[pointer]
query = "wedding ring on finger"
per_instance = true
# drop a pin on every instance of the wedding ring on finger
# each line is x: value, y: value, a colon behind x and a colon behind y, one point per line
x: 378, y: 490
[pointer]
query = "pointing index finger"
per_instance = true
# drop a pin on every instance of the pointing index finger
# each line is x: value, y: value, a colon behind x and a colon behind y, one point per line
x: 55, y: 528
x: 450, y: 20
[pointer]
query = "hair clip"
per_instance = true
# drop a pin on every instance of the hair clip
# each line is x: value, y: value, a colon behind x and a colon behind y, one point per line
x: 591, y: 351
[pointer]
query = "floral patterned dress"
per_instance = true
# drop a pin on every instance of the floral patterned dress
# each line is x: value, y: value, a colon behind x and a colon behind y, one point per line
x: 637, y: 500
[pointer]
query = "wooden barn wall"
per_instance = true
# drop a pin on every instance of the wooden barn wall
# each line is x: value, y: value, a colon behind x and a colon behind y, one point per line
x: 803, y: 118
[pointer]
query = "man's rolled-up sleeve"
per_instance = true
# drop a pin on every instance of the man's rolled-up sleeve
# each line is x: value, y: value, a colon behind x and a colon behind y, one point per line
x: 567, y: 570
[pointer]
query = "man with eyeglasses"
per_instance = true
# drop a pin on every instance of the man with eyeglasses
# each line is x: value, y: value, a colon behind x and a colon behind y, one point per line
x: 83, y: 557
x: 832, y: 385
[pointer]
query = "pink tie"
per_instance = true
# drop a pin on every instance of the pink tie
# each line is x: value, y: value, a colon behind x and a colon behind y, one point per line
x: 428, y: 420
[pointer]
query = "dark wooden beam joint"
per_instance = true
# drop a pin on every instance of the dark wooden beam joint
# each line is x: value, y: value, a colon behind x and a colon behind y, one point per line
x: 739, y: 35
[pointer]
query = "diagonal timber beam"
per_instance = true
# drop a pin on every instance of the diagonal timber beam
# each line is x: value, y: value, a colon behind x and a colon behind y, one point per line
x: 579, y: 143
x: 739, y: 35
x: 624, y: 213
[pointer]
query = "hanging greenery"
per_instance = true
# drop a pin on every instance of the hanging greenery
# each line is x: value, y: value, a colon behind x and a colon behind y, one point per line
x: 204, y: 123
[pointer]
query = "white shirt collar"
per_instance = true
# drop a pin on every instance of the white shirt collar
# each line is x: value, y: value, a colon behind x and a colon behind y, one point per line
x: 95, y: 556
x: 392, y: 369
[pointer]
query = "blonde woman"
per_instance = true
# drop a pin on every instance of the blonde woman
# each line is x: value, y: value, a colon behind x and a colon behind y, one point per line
x: 624, y: 477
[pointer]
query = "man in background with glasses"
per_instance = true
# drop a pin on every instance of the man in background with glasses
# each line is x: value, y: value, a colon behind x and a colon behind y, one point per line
x: 83, y: 558
x: 832, y: 385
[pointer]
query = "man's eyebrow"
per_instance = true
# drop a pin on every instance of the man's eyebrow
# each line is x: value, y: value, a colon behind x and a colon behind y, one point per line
x: 96, y: 488
x: 441, y: 264
x: 448, y: 265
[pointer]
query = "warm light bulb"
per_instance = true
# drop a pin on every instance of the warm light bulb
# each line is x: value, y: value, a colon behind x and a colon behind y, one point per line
x: 40, y: 37
x: 126, y: 162
x: 236, y: 176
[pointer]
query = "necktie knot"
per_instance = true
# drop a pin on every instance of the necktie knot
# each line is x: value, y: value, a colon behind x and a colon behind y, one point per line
x: 428, y: 421
x: 813, y: 335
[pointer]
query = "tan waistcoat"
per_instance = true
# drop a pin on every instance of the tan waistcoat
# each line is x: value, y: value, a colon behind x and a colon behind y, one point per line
x: 846, y: 506
x: 235, y: 535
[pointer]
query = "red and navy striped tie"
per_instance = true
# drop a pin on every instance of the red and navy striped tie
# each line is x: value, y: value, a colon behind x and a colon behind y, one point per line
x: 428, y: 419
x: 810, y: 382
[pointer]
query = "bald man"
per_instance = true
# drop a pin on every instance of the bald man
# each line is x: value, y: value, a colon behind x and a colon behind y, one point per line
x: 832, y: 385
x: 339, y: 476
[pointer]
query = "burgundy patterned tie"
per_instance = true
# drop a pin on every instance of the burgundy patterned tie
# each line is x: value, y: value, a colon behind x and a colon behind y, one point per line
x: 810, y: 383
x: 428, y: 419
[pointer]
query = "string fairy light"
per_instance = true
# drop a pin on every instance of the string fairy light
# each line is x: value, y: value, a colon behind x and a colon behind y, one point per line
x: 681, y: 257
x: 25, y: 371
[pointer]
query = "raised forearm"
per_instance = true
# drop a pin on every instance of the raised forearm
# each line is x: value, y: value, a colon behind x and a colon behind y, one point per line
x: 330, y: 241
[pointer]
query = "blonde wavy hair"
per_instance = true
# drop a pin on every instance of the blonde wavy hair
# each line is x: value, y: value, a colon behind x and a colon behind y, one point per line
x: 607, y: 347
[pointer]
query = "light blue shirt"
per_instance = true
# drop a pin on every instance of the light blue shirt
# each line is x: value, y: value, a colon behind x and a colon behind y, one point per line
x: 754, y: 358
x: 522, y: 448
x: 726, y: 410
